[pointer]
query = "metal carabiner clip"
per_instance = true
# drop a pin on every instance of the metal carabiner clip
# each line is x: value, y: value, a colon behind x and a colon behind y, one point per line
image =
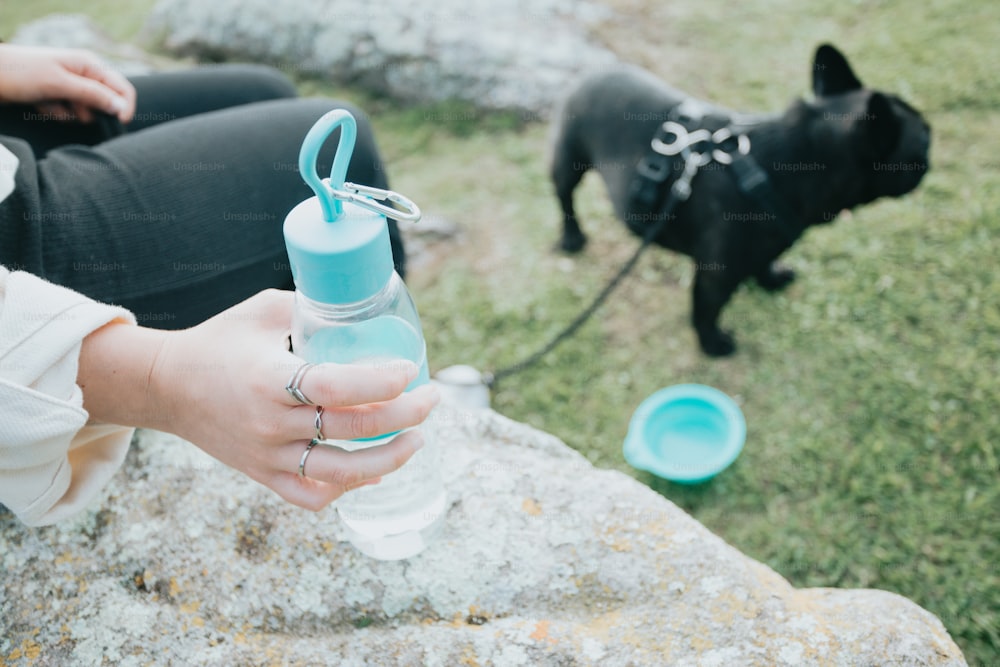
x: 682, y: 139
x: 368, y: 197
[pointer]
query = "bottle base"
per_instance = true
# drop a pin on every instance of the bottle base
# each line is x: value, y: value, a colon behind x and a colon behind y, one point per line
x: 374, y: 540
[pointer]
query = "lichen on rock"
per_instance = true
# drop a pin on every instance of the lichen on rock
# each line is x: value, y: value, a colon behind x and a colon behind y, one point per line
x: 543, y: 560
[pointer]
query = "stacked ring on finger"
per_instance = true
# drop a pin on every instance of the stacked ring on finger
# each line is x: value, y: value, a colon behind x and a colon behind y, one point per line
x: 318, y: 423
x: 305, y: 455
x: 293, y: 384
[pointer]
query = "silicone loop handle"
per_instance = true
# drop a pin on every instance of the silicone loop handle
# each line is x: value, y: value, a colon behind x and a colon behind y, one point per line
x: 324, y: 127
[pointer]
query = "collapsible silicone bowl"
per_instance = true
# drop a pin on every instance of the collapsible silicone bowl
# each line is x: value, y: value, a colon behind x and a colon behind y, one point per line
x: 687, y: 433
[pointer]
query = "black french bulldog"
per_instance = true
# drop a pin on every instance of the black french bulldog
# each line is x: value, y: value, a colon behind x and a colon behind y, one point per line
x: 847, y: 147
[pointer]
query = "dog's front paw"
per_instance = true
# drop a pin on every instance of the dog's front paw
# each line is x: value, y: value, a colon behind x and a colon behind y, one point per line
x: 572, y: 243
x: 775, y: 279
x: 717, y: 343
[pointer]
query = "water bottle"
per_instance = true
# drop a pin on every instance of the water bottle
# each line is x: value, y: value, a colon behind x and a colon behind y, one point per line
x: 352, y: 307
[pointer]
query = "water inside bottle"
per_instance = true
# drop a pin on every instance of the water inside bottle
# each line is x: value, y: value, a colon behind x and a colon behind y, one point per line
x: 398, y: 517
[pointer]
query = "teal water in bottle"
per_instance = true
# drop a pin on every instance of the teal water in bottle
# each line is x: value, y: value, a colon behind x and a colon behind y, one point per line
x: 352, y: 307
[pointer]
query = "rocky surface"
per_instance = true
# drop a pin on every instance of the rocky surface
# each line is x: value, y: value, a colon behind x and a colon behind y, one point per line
x: 543, y: 560
x: 497, y: 54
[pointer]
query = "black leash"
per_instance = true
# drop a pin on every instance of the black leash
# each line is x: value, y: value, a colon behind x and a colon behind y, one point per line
x: 491, y: 379
x: 672, y: 139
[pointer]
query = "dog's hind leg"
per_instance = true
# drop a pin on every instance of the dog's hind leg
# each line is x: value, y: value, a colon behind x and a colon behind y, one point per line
x: 568, y: 167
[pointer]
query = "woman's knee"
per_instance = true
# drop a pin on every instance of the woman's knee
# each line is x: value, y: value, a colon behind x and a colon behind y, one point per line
x: 268, y: 82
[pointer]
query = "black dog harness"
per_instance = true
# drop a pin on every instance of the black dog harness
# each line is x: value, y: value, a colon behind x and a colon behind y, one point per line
x: 698, y: 139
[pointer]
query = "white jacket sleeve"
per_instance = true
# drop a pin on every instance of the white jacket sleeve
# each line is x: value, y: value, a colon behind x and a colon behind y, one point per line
x: 52, y: 461
x: 8, y: 165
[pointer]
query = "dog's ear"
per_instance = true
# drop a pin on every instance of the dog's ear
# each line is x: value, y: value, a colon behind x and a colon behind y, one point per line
x: 880, y: 129
x: 832, y: 75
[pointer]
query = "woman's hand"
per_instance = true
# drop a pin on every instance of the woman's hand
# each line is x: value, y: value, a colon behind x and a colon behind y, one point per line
x: 66, y: 84
x: 221, y: 385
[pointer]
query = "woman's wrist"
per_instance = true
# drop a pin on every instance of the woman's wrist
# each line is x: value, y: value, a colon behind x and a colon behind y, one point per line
x: 116, y: 368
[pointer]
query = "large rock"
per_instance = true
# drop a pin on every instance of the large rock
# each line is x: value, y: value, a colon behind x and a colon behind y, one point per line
x: 544, y: 560
x: 79, y: 31
x: 497, y: 54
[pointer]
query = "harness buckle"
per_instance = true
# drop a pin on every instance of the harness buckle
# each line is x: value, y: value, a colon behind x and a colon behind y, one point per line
x: 677, y: 138
x: 726, y: 143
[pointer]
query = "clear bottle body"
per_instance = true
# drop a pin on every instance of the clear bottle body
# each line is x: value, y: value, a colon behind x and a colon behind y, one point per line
x: 398, y: 517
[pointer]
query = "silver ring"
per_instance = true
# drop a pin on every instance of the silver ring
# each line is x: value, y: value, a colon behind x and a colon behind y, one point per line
x: 305, y: 455
x: 319, y: 424
x: 293, y: 385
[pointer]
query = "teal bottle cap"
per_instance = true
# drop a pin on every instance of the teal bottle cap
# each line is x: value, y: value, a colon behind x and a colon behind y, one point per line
x: 338, y: 241
x: 338, y: 262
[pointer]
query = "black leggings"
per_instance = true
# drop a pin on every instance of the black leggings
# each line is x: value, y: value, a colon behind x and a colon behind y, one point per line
x: 178, y: 217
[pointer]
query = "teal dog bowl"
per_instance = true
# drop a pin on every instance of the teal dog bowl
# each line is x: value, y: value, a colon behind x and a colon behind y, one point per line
x: 687, y: 433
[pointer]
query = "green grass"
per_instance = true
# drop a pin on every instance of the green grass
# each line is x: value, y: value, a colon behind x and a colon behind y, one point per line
x: 120, y: 19
x: 870, y: 386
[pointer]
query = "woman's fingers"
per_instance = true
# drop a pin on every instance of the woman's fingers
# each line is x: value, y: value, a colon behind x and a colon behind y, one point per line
x: 90, y: 94
x: 348, y: 470
x: 76, y: 79
x: 339, y: 385
x: 363, y: 421
x: 373, y: 419
x: 98, y: 85
x: 329, y: 472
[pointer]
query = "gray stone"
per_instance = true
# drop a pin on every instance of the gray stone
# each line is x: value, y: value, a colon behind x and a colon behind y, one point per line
x: 543, y: 560
x: 78, y: 31
x: 497, y: 54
